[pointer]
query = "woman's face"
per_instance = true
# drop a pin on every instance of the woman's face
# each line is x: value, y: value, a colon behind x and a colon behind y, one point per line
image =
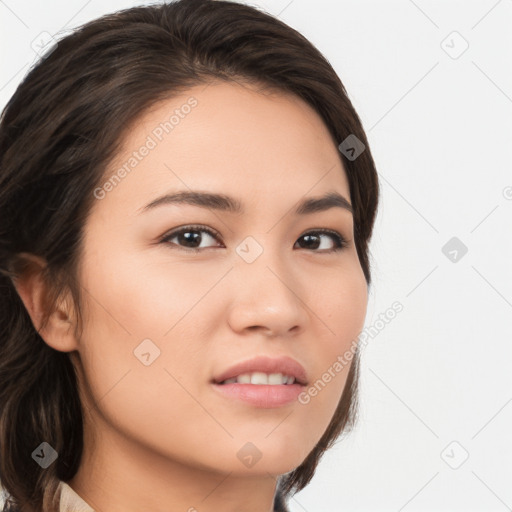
x: 164, y: 318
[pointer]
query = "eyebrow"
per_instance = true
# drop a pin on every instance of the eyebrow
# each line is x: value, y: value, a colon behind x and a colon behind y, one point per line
x: 229, y: 204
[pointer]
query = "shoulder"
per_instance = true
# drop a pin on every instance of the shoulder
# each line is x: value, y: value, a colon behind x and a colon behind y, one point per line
x: 70, y: 501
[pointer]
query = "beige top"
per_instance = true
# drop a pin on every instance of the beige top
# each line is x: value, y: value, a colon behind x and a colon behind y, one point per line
x: 70, y: 501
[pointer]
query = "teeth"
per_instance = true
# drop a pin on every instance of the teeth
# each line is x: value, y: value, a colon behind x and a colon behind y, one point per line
x: 261, y: 378
x: 244, y: 379
x: 274, y: 378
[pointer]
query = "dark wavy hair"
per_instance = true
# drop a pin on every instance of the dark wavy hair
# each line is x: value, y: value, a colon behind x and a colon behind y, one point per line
x: 59, y: 132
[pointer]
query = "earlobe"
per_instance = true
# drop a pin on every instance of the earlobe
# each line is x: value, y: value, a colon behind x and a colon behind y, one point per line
x: 30, y: 286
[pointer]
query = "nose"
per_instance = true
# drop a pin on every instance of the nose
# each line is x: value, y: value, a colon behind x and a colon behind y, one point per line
x: 268, y: 296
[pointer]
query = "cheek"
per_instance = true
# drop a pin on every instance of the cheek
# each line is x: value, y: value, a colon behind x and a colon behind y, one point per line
x: 151, y: 316
x: 134, y: 319
x: 344, y: 306
x: 155, y: 296
x: 144, y: 402
x: 132, y: 298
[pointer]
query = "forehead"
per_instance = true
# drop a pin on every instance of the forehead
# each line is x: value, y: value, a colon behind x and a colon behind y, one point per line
x: 231, y: 138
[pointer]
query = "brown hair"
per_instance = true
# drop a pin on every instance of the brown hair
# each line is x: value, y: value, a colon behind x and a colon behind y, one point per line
x: 58, y: 133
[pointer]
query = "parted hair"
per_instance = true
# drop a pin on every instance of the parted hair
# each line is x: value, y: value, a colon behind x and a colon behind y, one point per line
x: 58, y: 133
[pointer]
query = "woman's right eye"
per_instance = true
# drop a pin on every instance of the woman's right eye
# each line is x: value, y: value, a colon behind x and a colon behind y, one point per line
x: 190, y: 237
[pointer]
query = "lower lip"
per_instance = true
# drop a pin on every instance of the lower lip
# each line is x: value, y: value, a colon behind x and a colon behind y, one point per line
x: 262, y: 395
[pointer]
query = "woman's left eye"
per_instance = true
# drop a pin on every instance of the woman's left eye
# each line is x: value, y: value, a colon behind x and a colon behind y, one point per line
x: 191, y: 238
x: 314, y: 238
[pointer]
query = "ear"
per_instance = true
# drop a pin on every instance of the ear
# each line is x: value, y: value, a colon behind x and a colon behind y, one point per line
x: 58, y: 333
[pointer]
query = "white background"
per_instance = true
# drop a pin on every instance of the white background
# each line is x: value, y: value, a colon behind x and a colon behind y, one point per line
x: 440, y: 129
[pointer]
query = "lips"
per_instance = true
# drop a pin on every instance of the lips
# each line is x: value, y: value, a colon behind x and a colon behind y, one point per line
x: 285, y: 365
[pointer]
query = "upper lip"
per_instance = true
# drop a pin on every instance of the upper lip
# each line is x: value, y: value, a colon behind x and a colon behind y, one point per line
x: 285, y: 365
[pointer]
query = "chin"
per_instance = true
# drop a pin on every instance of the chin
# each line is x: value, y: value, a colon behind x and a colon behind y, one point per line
x: 258, y: 457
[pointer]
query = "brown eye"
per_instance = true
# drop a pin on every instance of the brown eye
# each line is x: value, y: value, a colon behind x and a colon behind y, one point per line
x: 190, y: 237
x: 313, y: 239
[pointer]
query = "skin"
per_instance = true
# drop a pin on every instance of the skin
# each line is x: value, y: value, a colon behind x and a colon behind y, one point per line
x: 158, y: 437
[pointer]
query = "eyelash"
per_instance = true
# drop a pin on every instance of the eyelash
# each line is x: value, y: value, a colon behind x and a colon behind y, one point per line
x: 340, y: 241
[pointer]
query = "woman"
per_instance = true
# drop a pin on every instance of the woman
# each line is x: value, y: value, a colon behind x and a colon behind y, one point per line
x: 186, y: 201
